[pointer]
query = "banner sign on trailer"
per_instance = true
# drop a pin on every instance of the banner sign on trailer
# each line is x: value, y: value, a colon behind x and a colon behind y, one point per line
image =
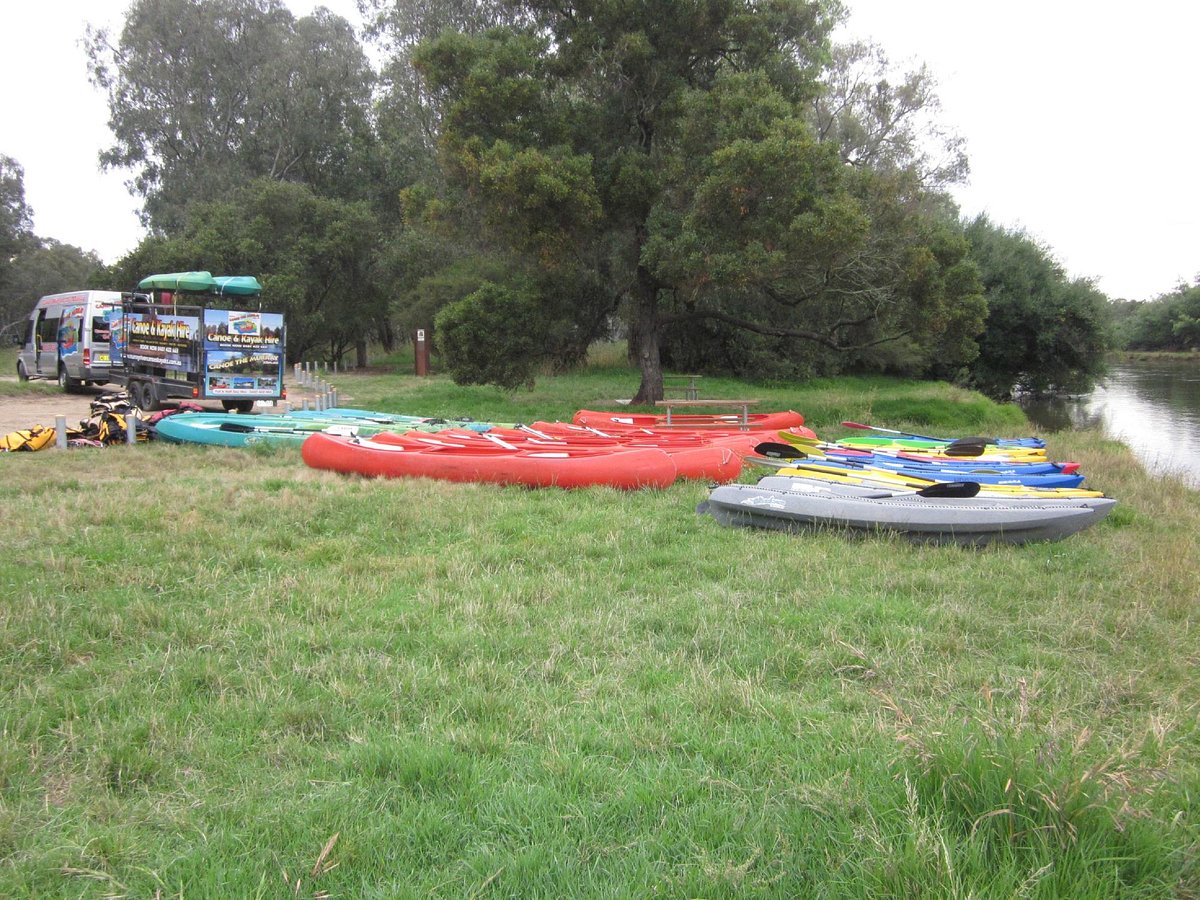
x: 168, y: 341
x: 244, y: 353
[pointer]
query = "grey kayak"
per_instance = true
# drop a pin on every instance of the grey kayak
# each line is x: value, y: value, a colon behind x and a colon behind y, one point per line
x: 973, y: 521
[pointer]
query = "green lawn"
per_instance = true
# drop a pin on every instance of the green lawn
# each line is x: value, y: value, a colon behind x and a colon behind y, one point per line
x: 226, y: 674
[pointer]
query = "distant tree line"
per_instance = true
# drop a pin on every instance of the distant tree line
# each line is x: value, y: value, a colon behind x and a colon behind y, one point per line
x: 1168, y: 323
x: 721, y: 186
x: 31, y: 266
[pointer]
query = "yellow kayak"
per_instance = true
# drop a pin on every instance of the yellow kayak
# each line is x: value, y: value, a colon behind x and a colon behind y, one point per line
x: 992, y: 454
x: 885, y: 479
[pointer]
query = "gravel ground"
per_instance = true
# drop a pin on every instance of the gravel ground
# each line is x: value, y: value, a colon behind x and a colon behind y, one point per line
x: 41, y: 409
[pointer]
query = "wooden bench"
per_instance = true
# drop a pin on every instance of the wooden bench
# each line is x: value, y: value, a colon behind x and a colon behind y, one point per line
x: 743, y: 407
x: 684, y: 383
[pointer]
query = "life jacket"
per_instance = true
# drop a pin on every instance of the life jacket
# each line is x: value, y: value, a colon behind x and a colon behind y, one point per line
x: 34, y: 438
x: 111, y: 429
x: 184, y: 406
x: 114, y: 402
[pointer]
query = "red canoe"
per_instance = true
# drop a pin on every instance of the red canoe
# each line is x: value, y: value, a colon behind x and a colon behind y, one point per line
x: 772, y: 421
x: 742, y: 442
x: 627, y: 469
x: 698, y: 459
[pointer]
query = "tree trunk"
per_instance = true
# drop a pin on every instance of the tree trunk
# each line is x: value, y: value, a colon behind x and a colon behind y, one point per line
x: 360, y: 354
x: 387, y: 336
x: 645, y: 333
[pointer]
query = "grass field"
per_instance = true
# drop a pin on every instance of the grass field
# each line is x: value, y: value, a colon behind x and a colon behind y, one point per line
x: 226, y: 674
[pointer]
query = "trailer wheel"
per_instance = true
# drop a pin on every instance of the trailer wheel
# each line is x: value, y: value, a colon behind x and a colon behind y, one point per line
x: 145, y: 395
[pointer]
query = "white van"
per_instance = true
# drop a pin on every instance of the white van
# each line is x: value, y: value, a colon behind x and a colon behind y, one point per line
x: 67, y: 338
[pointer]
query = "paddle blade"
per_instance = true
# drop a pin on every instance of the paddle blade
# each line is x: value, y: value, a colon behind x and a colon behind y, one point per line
x: 966, y: 447
x: 779, y: 451
x: 960, y: 489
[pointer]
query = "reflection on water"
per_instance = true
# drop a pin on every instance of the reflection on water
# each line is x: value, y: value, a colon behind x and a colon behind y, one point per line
x: 1153, y: 407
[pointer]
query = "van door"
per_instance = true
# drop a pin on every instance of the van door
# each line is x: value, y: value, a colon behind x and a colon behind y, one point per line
x: 97, y: 339
x: 46, y: 341
x: 71, y: 342
x: 27, y: 355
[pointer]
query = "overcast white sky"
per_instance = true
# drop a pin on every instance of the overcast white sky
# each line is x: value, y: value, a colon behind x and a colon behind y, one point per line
x: 1080, y: 122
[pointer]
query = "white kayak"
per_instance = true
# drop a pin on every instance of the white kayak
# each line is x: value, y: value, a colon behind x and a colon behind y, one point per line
x: 791, y: 504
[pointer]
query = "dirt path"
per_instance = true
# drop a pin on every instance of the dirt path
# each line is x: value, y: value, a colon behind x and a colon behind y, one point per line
x: 41, y: 409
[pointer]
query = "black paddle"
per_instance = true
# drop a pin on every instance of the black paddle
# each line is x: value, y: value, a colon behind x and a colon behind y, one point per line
x: 950, y: 489
x: 968, y: 446
x: 959, y: 447
x: 780, y: 451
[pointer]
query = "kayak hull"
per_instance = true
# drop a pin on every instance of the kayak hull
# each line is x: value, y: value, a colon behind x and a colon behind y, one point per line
x: 772, y: 421
x: 699, y: 460
x: 239, y: 430
x: 967, y: 521
x: 624, y: 469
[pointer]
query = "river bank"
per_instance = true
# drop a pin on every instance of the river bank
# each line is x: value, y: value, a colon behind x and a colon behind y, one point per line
x: 1151, y: 402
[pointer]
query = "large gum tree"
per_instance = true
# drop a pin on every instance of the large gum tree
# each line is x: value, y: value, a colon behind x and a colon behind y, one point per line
x: 206, y: 95
x: 670, y: 150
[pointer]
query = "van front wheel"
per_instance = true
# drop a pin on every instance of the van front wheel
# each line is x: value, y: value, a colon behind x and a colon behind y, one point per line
x: 22, y: 372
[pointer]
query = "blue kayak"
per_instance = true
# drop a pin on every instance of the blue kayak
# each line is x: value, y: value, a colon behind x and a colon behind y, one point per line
x: 949, y: 464
x: 1028, y: 479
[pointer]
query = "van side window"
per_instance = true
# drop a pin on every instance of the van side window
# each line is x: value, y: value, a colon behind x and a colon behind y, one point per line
x: 48, y: 327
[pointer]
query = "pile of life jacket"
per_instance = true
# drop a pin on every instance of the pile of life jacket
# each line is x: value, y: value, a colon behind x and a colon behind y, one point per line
x: 34, y: 438
x: 105, y: 426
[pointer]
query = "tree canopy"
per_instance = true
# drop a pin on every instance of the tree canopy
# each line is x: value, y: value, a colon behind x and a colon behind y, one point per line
x: 1170, y: 322
x: 44, y: 266
x: 671, y: 154
x: 16, y: 218
x: 714, y: 180
x: 206, y: 96
x: 315, y: 257
x: 1044, y: 332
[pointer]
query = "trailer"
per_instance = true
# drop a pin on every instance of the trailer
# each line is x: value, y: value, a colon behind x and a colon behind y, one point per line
x: 188, y: 335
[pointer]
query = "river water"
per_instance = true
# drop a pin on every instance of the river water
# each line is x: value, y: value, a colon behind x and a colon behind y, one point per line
x: 1152, y: 407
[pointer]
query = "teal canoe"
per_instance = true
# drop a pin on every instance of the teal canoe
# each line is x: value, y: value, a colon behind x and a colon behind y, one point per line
x: 239, y: 430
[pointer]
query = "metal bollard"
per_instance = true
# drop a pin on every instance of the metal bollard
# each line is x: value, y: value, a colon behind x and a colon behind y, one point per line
x: 131, y: 429
x: 60, y: 432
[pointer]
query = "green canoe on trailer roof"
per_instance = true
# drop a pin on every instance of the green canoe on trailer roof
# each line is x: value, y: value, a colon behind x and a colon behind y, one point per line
x: 202, y: 282
x: 237, y: 285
